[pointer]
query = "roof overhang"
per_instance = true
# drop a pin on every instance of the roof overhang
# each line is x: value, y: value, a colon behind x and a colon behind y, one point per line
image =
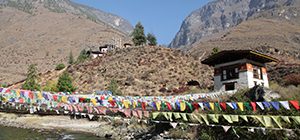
x: 234, y: 55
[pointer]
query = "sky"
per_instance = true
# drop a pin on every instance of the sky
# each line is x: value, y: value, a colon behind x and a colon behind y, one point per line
x: 163, y: 18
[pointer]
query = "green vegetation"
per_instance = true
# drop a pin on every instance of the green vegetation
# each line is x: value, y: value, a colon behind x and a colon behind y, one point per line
x: 138, y: 35
x: 65, y: 84
x: 51, y: 86
x: 4, y: 85
x: 31, y: 82
x: 24, y: 6
x: 215, y: 50
x: 114, y: 88
x: 82, y: 56
x: 60, y: 66
x: 151, y: 39
x: 71, y: 58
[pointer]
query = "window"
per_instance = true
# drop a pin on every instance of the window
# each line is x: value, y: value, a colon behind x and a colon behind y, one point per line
x: 257, y: 72
x: 229, y: 73
x: 229, y: 86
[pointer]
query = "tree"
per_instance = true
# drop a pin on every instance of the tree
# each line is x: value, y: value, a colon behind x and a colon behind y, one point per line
x: 151, y: 39
x: 31, y: 82
x: 71, y: 58
x: 82, y: 56
x: 113, y: 87
x: 64, y: 83
x: 138, y: 35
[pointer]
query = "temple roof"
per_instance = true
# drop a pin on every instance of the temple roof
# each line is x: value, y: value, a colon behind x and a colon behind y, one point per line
x: 233, y: 55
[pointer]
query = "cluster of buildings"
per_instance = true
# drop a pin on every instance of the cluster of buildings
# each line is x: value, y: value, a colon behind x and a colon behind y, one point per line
x: 102, y: 50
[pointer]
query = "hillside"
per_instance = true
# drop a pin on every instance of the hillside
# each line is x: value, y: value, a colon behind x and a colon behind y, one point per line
x: 219, y: 16
x: 35, y: 31
x: 139, y: 71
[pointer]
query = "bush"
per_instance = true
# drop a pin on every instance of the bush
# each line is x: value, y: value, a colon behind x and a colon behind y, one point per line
x: 50, y: 86
x: 60, y: 66
x: 82, y: 56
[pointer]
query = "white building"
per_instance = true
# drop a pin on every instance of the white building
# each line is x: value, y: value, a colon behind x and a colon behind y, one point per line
x: 234, y: 69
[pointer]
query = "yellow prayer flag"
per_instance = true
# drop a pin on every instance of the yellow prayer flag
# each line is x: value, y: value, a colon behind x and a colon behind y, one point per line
x: 204, y: 117
x: 182, y: 106
x: 158, y: 105
x: 155, y: 114
x: 213, y: 118
x: 235, y: 118
x: 241, y: 106
x: 212, y: 106
x: 183, y: 115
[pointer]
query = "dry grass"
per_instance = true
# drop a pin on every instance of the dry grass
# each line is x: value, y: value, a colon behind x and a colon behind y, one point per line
x: 141, y: 71
x: 290, y: 92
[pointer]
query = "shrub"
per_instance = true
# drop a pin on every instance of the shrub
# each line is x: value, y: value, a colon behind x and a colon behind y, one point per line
x: 50, y: 86
x: 60, y: 66
x: 65, y: 84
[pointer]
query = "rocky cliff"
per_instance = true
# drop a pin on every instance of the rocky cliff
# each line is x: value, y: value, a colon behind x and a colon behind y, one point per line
x: 221, y: 15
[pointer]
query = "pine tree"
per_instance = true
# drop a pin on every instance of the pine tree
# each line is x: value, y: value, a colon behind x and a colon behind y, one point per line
x: 138, y: 35
x: 31, y: 82
x: 64, y: 83
x: 151, y: 39
x: 71, y: 58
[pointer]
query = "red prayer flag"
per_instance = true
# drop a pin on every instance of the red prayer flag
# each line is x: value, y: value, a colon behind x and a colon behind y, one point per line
x: 169, y: 106
x: 196, y: 105
x: 223, y: 105
x: 143, y: 105
x: 295, y: 104
x: 253, y: 104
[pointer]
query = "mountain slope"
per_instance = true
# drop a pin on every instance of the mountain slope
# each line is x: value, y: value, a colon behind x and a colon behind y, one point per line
x: 39, y: 35
x: 220, y: 15
x: 67, y: 6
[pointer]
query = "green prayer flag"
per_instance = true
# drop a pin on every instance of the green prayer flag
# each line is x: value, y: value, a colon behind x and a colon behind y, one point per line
x: 244, y: 117
x: 286, y: 119
x: 176, y: 115
x: 214, y: 118
x: 235, y: 118
x: 189, y: 105
x: 218, y: 106
x: 183, y: 115
x: 227, y: 118
x: 204, y: 117
x: 276, y: 119
x: 163, y: 105
x: 247, y: 105
x: 155, y: 114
